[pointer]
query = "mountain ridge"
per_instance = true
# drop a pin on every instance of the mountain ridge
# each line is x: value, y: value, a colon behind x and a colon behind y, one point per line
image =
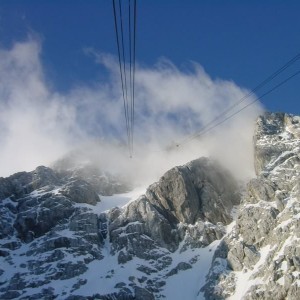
x: 57, y: 243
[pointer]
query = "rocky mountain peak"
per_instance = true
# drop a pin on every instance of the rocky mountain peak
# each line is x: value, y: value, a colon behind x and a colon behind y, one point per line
x: 276, y: 136
x: 260, y: 256
x: 59, y: 238
x: 200, y: 190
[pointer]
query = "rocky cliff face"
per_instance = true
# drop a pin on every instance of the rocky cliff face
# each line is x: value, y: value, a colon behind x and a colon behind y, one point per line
x: 260, y: 257
x: 193, y: 228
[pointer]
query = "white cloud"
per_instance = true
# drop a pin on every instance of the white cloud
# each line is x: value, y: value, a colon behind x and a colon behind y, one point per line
x: 38, y: 125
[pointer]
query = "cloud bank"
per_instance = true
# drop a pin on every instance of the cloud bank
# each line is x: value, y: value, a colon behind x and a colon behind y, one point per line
x: 39, y: 125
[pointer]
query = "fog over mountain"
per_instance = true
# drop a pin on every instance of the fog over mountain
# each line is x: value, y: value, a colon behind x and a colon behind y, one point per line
x: 76, y: 232
x: 40, y: 125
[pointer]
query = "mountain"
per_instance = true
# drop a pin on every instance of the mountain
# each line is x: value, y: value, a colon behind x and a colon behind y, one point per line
x: 75, y: 233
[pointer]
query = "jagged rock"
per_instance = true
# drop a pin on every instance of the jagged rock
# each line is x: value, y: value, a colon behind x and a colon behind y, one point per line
x: 275, y: 128
x: 199, y: 190
x: 68, y: 270
x: 255, y: 223
x: 200, y: 234
x: 124, y: 257
x: 80, y: 191
x: 41, y: 177
x: 252, y: 256
x: 267, y: 223
x: 146, y: 220
x: 102, y: 182
x: 86, y: 225
x: 15, y: 185
x: 260, y: 189
x: 142, y: 294
x: 13, y: 245
x: 6, y: 222
x: 52, y: 210
x: 11, y: 295
x: 48, y: 237
x: 182, y: 266
x: 236, y: 256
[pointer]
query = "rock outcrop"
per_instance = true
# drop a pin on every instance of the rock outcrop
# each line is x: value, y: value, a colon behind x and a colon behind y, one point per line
x: 57, y: 242
x: 49, y: 213
x: 263, y: 247
x: 200, y: 194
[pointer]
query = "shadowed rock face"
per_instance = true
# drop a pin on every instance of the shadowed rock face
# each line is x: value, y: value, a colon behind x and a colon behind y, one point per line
x: 193, y: 194
x: 40, y: 200
x: 199, y: 190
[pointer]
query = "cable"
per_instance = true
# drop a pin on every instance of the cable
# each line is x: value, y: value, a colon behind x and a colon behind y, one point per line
x: 121, y: 73
x: 243, y: 108
x: 252, y: 92
x: 124, y: 72
x: 128, y: 91
x: 132, y: 54
x: 130, y: 71
x: 133, y: 75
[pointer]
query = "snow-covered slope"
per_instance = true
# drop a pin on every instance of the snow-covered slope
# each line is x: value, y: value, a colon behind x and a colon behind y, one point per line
x: 78, y: 233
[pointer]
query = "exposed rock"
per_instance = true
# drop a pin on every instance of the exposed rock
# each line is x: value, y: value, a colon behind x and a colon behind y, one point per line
x: 263, y: 242
x: 271, y: 139
x: 182, y: 266
x: 141, y: 219
x: 191, y: 194
x: 199, y: 190
x: 102, y: 182
x: 142, y: 294
x: 53, y: 231
x: 52, y: 210
x: 80, y: 191
x: 255, y: 223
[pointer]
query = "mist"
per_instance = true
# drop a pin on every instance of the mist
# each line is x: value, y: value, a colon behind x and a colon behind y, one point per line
x: 40, y: 125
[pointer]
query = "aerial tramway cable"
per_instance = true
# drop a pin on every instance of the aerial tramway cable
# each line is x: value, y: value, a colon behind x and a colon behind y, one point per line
x: 212, y: 124
x: 133, y: 68
x: 126, y: 72
x: 246, y: 106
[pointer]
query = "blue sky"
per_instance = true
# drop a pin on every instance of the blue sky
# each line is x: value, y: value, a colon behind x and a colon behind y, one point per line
x: 60, y: 84
x: 242, y: 41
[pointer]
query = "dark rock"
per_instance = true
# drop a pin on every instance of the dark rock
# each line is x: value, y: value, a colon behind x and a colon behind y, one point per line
x: 120, y: 285
x: 146, y: 221
x: 146, y: 270
x: 52, y: 211
x: 4, y: 253
x: 78, y: 284
x: 67, y: 270
x: 123, y: 257
x: 80, y: 191
x: 201, y: 189
x: 143, y: 294
x: 10, y: 295
x: 180, y: 267
x: 11, y: 245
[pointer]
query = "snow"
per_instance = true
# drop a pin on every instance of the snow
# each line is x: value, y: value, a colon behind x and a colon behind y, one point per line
x: 120, y: 200
x: 117, y: 200
x: 243, y: 281
x: 9, y: 201
x: 284, y: 266
x: 66, y: 233
x: 186, y: 284
x: 285, y: 135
